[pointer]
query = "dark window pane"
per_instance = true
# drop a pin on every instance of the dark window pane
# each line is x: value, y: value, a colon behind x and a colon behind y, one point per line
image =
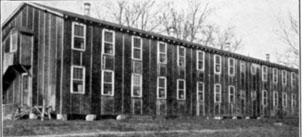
x: 137, y: 54
x: 181, y: 61
x: 79, y: 30
x: 108, y: 48
x: 162, y: 48
x: 162, y: 58
x: 181, y: 94
x: 107, y: 89
x: 162, y: 93
x: 108, y: 36
x: 200, y: 65
x: 161, y: 82
x: 78, y: 73
x: 200, y: 95
x: 136, y: 91
x: 217, y: 68
x: 200, y: 87
x: 137, y: 42
x: 77, y: 86
x: 78, y: 43
x: 217, y: 60
x: 181, y: 84
x: 181, y: 51
x: 107, y: 76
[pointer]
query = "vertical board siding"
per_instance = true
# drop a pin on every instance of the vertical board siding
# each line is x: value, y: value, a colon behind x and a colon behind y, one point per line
x: 118, y: 72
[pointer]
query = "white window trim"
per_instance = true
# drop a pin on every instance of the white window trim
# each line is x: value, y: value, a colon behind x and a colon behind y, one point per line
x: 275, y: 98
x: 293, y: 99
x: 141, y: 47
x: 264, y: 98
x: 71, y: 79
x: 141, y: 85
x: 165, y: 87
x: 265, y: 79
x: 284, y: 100
x: 284, y: 76
x: 13, y: 48
x: 102, y: 83
x: 197, y: 60
x: 73, y: 35
x: 103, y: 42
x: 184, y: 90
x: 158, y: 60
x: 234, y: 94
x: 275, y: 75
x: 242, y: 66
x: 292, y: 79
x: 178, y: 56
x: 233, y: 66
x: 203, y: 90
x: 253, y: 69
x: 214, y: 56
x: 220, y: 93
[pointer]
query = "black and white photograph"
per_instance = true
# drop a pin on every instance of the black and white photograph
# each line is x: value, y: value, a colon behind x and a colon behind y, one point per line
x: 151, y: 68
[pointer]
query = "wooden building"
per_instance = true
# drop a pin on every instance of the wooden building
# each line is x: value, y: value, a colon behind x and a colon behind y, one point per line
x: 77, y: 64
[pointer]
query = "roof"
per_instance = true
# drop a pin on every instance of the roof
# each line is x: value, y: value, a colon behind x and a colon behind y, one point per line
x: 147, y: 34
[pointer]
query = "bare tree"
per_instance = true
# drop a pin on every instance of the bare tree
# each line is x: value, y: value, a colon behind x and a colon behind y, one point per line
x: 288, y: 34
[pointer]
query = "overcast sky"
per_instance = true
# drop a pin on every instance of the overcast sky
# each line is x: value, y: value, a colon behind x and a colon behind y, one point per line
x: 255, y: 21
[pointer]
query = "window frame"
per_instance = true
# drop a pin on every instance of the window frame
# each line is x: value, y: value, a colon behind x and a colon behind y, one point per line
x: 158, y: 87
x: 219, y: 93
x: 284, y: 77
x: 103, y: 82
x: 133, y: 47
x: 275, y: 75
x: 220, y: 64
x: 293, y: 75
x: 234, y: 94
x: 264, y: 101
x: 275, y: 99
x: 72, y: 79
x: 13, y: 48
x: 141, y: 85
x: 184, y: 90
x: 178, y: 56
x: 231, y: 66
x: 104, y: 41
x: 203, y: 90
x: 264, y: 74
x: 284, y: 100
x: 159, y: 53
x: 198, y: 60
x: 73, y: 36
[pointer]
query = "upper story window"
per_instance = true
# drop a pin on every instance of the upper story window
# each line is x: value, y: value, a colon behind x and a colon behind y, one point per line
x: 161, y: 87
x: 200, y: 91
x: 107, y: 82
x: 181, y: 56
x: 162, y: 53
x: 264, y: 97
x: 181, y: 89
x: 242, y: 67
x: 77, y: 79
x: 264, y: 73
x: 284, y: 77
x: 200, y: 60
x: 108, y: 41
x: 78, y: 36
x: 231, y: 66
x: 293, y: 79
x: 253, y: 69
x: 231, y: 94
x: 275, y: 98
x: 137, y: 45
x: 217, y: 64
x: 136, y: 85
x: 13, y: 41
x: 275, y: 75
x: 217, y: 93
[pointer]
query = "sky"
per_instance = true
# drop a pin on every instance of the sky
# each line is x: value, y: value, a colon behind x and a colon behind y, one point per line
x: 255, y: 21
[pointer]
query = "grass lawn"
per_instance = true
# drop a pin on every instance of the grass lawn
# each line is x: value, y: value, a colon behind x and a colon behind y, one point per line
x: 241, y: 128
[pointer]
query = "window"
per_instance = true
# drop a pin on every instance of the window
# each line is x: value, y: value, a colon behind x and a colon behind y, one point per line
x: 200, y: 91
x: 77, y: 79
x: 13, y: 41
x: 264, y: 73
x: 231, y: 94
x: 275, y: 99
x: 217, y: 93
x: 200, y: 60
x: 137, y: 48
x: 217, y: 64
x: 253, y: 95
x: 293, y: 102
x: 242, y: 67
x: 284, y: 77
x: 253, y: 69
x: 231, y: 67
x: 181, y: 56
x: 264, y: 97
x: 180, y: 89
x: 284, y: 100
x: 275, y: 75
x: 162, y: 53
x: 293, y: 79
x: 136, y: 85
x: 108, y: 42
x: 107, y: 82
x: 78, y: 36
x: 242, y: 94
x: 161, y: 88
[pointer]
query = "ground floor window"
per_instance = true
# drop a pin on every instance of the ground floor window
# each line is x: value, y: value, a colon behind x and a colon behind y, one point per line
x: 284, y: 100
x: 136, y: 85
x: 264, y: 98
x: 217, y: 93
x: 77, y: 79
x: 181, y: 89
x: 161, y: 87
x: 200, y: 91
x: 107, y: 82
x: 137, y: 105
x: 275, y: 99
x: 231, y: 94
